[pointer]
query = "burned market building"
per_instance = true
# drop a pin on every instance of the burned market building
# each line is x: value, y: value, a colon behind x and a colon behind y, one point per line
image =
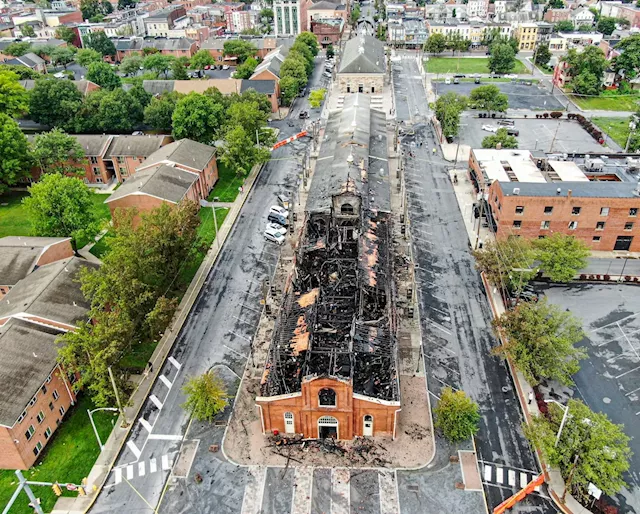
x: 331, y: 369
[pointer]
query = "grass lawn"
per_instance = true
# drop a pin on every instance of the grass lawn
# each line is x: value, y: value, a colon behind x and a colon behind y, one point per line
x: 15, y: 222
x: 616, y: 128
x: 67, y: 458
x: 226, y: 189
x: 101, y: 247
x: 607, y: 103
x: 465, y: 65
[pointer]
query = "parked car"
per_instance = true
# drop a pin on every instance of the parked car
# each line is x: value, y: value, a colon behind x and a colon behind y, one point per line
x: 513, y: 132
x: 459, y: 76
x: 225, y: 66
x: 511, y: 76
x: 447, y: 80
x: 327, y: 74
x: 137, y: 133
x: 456, y: 80
x: 274, y: 236
x: 278, y: 219
x: 275, y: 227
x: 476, y: 80
x: 279, y: 210
x: 490, y: 128
x: 505, y: 123
x: 303, y: 115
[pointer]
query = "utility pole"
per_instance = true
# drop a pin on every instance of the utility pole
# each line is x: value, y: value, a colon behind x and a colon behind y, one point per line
x: 115, y: 390
x: 23, y: 484
x: 569, y: 479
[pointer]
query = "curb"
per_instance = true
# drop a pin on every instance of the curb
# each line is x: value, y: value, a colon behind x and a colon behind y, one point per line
x: 203, y: 271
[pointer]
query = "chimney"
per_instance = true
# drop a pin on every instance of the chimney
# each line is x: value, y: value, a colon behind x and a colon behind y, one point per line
x: 568, y: 193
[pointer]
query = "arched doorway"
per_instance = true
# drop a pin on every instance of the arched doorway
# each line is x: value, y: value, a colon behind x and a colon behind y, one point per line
x: 367, y: 426
x: 327, y: 427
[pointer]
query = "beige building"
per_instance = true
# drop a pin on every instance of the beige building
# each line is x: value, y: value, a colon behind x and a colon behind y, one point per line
x: 527, y: 36
x: 363, y: 66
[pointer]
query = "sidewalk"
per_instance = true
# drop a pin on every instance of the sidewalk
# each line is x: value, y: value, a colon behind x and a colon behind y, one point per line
x: 107, y: 458
x: 466, y: 196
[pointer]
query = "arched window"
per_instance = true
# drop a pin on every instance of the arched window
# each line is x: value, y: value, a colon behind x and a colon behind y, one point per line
x: 327, y: 398
x: 346, y: 208
x: 327, y: 427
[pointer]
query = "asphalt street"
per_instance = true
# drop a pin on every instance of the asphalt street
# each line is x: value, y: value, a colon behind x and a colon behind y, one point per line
x: 455, y: 313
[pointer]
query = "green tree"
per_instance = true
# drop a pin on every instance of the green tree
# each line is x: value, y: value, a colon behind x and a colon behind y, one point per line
x: 54, y: 102
x: 22, y: 72
x: 489, y: 98
x: 561, y: 256
x: 44, y: 52
x: 543, y: 55
x: 159, y: 112
x: 86, y: 56
x: 501, y: 139
x: 99, y: 42
x: 14, y: 99
x: 57, y: 152
x: 456, y: 415
x: 556, y: 4
x: 206, y: 396
x: 628, y: 62
x: 240, y: 49
x: 251, y: 95
x: 201, y: 59
x: 289, y: 89
x: 539, y: 338
x: 448, y: 109
x: 126, y: 4
x: 266, y: 15
x: 300, y: 50
x: 239, y: 153
x: 590, y: 60
x: 591, y: 448
x: 67, y: 34
x: 503, y: 262
x: 179, y: 68
x: 90, y: 8
x: 148, y: 50
x: 17, y: 49
x: 310, y: 40
x: 138, y: 93
x: 248, y: 115
x: 14, y: 153
x: 564, y: 26
x: 316, y: 97
x: 62, y: 56
x: 27, y: 30
x: 130, y: 65
x: 60, y: 206
x: 118, y: 112
x: 295, y: 67
x: 355, y: 14
x: 330, y: 51
x: 502, y: 58
x: 586, y: 83
x: 158, y: 62
x: 102, y: 74
x: 246, y: 69
x: 197, y: 117
x: 435, y: 44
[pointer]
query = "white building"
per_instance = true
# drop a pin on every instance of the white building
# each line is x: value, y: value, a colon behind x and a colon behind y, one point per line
x: 289, y: 20
x: 477, y: 8
x: 582, y: 16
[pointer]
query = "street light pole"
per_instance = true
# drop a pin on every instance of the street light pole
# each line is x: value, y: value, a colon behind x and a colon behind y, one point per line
x: 115, y: 390
x: 95, y: 430
x: 564, y: 418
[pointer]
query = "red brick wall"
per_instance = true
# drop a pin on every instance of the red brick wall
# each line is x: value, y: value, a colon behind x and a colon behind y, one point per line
x: 20, y: 455
x: 143, y: 203
x: 265, y: 75
x: 55, y: 252
x: 561, y: 216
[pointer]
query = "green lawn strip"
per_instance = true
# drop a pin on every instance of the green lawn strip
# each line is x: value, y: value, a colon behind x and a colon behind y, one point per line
x: 607, y: 103
x: 101, y: 247
x: 67, y: 458
x: 226, y: 188
x: 102, y: 213
x: 466, y: 65
x: 616, y: 128
x: 488, y: 80
x: 13, y: 219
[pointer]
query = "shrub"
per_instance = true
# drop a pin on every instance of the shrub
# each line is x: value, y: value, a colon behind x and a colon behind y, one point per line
x: 545, y: 115
x: 627, y: 278
x: 583, y: 276
x: 556, y: 114
x: 606, y: 277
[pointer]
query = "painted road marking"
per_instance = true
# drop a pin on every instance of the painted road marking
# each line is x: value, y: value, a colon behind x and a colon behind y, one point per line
x: 165, y: 463
x: 175, y: 363
x: 523, y: 480
x: 155, y: 401
x: 146, y: 424
x: 254, y: 490
x: 163, y: 437
x: 341, y: 491
x: 487, y: 473
x: 388, y: 488
x: 499, y: 475
x: 302, y: 491
x: 164, y: 380
x: 134, y: 449
x: 512, y: 477
x: 153, y: 466
x: 118, y: 477
x: 141, y: 469
x: 129, y: 471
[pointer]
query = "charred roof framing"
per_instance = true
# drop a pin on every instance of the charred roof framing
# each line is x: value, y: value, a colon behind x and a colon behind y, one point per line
x: 338, y: 316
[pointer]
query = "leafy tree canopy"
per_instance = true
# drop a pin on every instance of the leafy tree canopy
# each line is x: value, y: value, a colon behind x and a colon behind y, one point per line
x: 500, y: 259
x: 543, y: 55
x: 501, y: 139
x: 86, y: 56
x: 435, y: 44
x: 456, y: 415
x: 502, y: 58
x: 628, y: 62
x: 57, y: 152
x: 201, y: 59
x: 564, y: 26
x: 240, y: 49
x: 158, y: 62
x: 206, y: 396
x: 22, y: 72
x: 330, y: 51
x: 54, y: 102
x: 99, y: 42
x: 316, y: 97
x: 14, y: 153
x: 246, y: 69
x: 310, y: 40
x: 197, y: 117
x: 179, y: 68
x: 130, y: 65
x: 18, y: 48
x: 448, y: 109
x: 14, y: 99
x: 561, y: 256
x: 102, y: 74
x: 489, y: 98
x: 62, y: 56
x: 159, y: 112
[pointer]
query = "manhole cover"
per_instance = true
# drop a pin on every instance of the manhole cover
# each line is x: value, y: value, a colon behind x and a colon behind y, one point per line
x: 413, y: 488
x: 505, y: 389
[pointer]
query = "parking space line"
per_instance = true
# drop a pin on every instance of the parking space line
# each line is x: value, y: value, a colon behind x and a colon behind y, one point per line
x: 175, y: 363
x: 155, y: 401
x: 234, y: 351
x: 615, y: 322
x: 629, y: 342
x: 165, y: 381
x: 637, y: 389
x: 627, y: 372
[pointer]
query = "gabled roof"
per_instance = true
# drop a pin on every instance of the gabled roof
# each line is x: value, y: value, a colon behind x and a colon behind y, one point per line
x: 29, y: 354
x: 94, y: 145
x: 363, y: 54
x: 273, y: 60
x: 324, y: 5
x: 168, y: 183
x: 185, y: 152
x: 141, y: 146
x: 29, y: 59
x: 157, y: 87
x: 267, y: 87
x: 82, y: 85
x: 50, y: 292
x: 19, y: 256
x: 136, y: 43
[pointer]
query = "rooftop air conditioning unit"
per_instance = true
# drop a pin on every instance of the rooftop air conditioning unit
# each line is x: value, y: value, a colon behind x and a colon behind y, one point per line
x: 516, y: 191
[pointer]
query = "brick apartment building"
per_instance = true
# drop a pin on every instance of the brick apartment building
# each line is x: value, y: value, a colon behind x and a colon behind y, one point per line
x: 182, y: 170
x: 159, y: 23
x: 556, y: 15
x: 179, y: 47
x: 531, y: 196
x: 328, y: 31
x: 331, y: 370
x: 35, y: 391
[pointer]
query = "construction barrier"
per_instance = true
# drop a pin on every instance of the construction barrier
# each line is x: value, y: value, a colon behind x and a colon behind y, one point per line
x: 289, y: 139
x: 520, y: 495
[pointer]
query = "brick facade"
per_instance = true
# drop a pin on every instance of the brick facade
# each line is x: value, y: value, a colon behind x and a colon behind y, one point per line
x: 349, y: 411
x: 365, y: 83
x: 326, y: 33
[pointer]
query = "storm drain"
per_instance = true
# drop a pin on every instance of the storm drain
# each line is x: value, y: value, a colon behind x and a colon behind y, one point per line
x: 413, y: 488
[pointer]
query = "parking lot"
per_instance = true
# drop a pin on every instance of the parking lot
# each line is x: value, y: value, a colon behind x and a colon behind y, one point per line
x: 534, y: 97
x: 559, y: 136
x: 609, y: 380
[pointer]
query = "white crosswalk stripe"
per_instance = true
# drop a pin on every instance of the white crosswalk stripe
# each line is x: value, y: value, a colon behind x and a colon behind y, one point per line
x: 388, y: 492
x: 141, y: 469
x: 129, y: 471
x: 512, y: 477
x: 118, y: 475
x: 132, y: 471
x: 523, y: 480
x: 302, y: 491
x: 499, y: 475
x: 341, y: 492
x: 152, y: 466
x: 515, y: 478
x: 487, y: 472
x: 254, y: 490
x: 165, y: 462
